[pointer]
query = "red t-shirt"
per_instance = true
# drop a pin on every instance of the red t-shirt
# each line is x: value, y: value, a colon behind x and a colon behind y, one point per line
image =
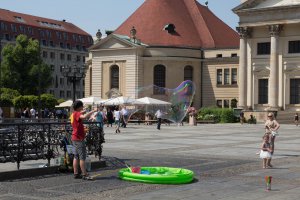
x: 78, y: 129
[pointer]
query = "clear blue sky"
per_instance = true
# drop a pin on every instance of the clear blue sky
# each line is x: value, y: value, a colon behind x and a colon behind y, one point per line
x: 91, y: 15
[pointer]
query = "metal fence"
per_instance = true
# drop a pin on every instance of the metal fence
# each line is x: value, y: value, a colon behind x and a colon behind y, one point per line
x: 28, y: 140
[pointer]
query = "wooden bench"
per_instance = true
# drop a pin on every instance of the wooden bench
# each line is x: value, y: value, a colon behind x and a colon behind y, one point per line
x: 206, y: 121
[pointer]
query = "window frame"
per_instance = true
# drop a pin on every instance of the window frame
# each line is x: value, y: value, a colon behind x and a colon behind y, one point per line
x: 159, y: 79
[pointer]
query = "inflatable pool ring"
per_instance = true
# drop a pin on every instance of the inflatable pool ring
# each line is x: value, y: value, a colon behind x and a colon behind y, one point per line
x: 158, y: 175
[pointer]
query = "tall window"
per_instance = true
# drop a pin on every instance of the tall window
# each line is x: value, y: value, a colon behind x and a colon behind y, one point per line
x: 263, y: 85
x: 233, y: 76
x: 294, y: 91
x: 114, y: 77
x: 159, y: 78
x: 263, y: 48
x: 226, y: 76
x: 188, y: 73
x: 219, y: 76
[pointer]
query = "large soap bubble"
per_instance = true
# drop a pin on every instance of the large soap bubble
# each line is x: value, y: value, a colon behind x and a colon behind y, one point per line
x: 174, y: 102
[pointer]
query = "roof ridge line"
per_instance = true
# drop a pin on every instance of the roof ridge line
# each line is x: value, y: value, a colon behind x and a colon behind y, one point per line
x: 195, y: 9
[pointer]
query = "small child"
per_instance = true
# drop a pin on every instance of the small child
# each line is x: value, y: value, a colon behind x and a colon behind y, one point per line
x: 266, y: 150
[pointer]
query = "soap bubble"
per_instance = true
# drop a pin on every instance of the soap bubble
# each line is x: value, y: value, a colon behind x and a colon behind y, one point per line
x: 175, y: 102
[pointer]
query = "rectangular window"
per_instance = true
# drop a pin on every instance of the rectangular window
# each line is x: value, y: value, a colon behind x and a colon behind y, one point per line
x: 7, y: 37
x: 62, y: 81
x: 68, y: 94
x: 219, y: 103
x: 13, y: 28
x: 233, y: 55
x: 51, y: 43
x: 294, y: 91
x: 294, y: 46
x: 52, y: 55
x: 30, y: 30
x: 219, y: 56
x: 77, y: 58
x: 62, y: 94
x: 69, y: 57
x: 234, y: 76
x: 226, y: 103
x: 69, y: 46
x: 219, y: 76
x: 226, y: 77
x: 263, y: 91
x: 62, y: 45
x: 44, y: 42
x: 52, y: 67
x: 263, y: 48
x: 45, y: 54
x: 62, y: 56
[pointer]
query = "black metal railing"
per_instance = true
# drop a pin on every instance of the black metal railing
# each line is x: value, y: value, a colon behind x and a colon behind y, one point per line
x: 32, y: 141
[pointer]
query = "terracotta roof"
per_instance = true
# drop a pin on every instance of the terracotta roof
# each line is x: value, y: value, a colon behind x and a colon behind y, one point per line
x: 30, y: 20
x: 195, y: 25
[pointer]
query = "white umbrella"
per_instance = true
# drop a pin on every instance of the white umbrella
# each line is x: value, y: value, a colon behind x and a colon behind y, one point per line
x: 119, y: 101
x: 90, y: 100
x: 65, y: 104
x: 150, y: 101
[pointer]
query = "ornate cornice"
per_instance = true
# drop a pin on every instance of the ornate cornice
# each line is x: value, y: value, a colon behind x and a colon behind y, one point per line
x: 244, y: 32
x: 275, y: 29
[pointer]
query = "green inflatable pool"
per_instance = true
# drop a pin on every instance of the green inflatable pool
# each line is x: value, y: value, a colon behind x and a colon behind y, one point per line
x: 158, y: 175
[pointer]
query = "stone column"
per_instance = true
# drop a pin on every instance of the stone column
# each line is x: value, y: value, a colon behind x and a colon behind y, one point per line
x: 274, y: 68
x: 244, y: 33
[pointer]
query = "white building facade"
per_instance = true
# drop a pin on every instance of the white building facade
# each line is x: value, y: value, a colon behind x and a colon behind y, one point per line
x: 269, y: 65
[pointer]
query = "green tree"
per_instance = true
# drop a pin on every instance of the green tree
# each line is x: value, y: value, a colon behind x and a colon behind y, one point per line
x: 48, y: 101
x: 22, y: 67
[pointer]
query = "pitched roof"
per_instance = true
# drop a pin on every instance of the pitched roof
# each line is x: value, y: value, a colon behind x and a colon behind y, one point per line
x: 195, y: 25
x: 30, y: 20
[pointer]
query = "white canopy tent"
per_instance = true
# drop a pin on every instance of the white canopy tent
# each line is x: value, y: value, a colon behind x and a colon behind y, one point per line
x: 119, y: 101
x: 150, y: 101
x: 65, y: 104
x: 90, y: 100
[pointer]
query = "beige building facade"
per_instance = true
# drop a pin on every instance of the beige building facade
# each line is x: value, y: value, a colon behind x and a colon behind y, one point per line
x: 269, y: 66
x: 186, y: 42
x: 214, y: 72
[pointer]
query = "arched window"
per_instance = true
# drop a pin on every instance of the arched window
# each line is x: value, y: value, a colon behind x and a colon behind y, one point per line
x: 188, y: 73
x: 159, y: 78
x: 114, y: 77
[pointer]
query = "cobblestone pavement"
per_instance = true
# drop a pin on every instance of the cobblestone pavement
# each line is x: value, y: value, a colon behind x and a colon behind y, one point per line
x: 223, y: 157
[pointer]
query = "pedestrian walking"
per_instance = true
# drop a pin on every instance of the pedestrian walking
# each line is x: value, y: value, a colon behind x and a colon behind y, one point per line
x: 158, y: 115
x: 117, y: 116
x: 109, y: 117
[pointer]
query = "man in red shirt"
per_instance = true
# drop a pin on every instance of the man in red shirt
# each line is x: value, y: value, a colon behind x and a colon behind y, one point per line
x: 78, y: 136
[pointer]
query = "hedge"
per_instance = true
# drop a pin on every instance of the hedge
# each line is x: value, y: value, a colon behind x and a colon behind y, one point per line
x: 223, y: 115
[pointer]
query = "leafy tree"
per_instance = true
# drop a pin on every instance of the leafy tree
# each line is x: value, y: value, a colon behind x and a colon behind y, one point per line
x: 22, y: 67
x: 7, y: 96
x: 48, y: 101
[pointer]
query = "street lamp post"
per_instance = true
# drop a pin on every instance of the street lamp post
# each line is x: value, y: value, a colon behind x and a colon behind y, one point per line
x: 74, y: 73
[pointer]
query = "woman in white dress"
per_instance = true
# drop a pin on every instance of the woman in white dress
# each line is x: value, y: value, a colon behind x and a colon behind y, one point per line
x: 265, y: 152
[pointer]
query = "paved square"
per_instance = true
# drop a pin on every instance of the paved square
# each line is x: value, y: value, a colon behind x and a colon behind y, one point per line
x: 223, y: 157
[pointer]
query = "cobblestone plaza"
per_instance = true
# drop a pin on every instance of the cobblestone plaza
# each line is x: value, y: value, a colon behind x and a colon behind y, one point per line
x: 223, y: 157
